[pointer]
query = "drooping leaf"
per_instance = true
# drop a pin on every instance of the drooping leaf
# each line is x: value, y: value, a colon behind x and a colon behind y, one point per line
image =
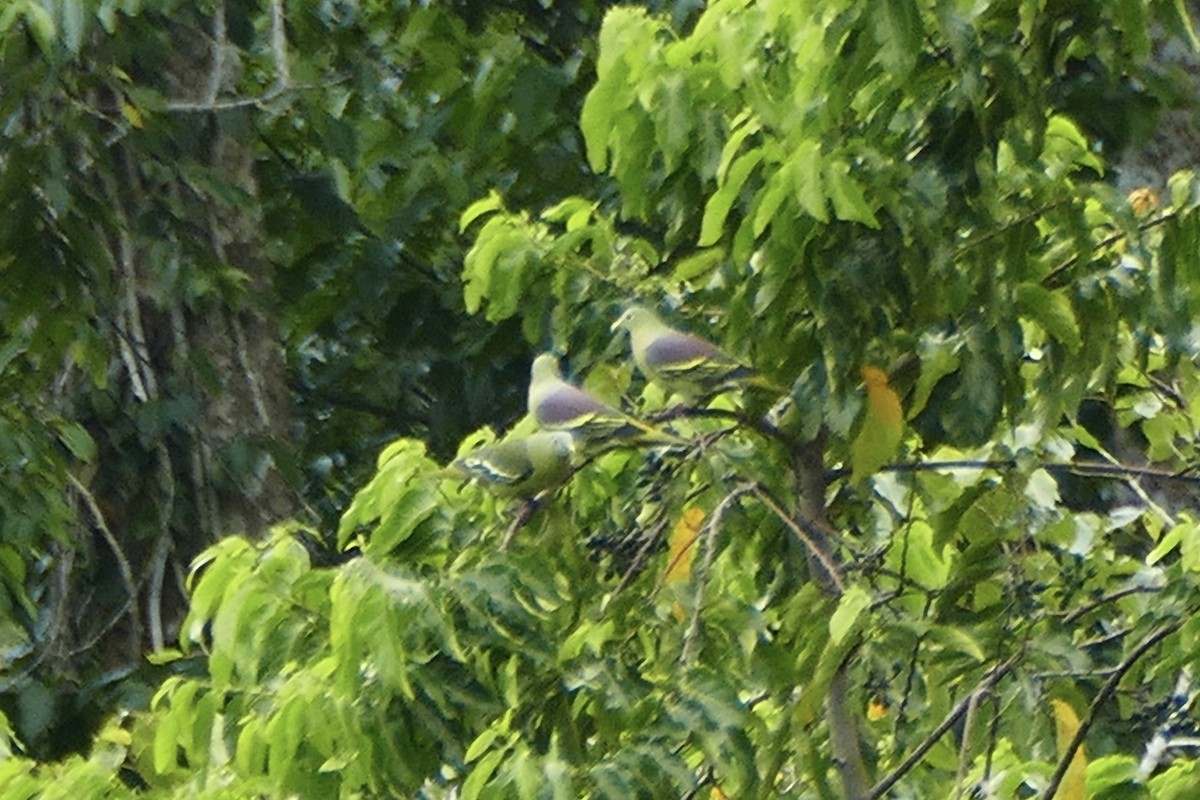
x: 1066, y: 724
x: 882, y: 428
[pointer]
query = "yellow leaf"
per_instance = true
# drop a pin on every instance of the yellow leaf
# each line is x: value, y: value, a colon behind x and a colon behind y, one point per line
x: 1066, y: 724
x: 717, y: 793
x: 876, y: 709
x: 882, y: 428
x: 1143, y: 200
x: 680, y: 550
x: 132, y: 114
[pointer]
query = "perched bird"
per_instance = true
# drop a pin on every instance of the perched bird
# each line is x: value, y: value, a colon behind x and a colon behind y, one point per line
x: 556, y: 405
x: 680, y: 362
x: 518, y: 467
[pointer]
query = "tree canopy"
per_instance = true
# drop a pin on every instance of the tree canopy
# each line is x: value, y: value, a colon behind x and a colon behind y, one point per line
x: 946, y: 546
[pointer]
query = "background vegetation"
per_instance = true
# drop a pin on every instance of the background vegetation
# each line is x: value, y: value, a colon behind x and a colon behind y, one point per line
x: 266, y: 265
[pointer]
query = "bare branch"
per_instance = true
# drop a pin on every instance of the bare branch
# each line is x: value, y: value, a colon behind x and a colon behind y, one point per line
x: 135, y: 638
x: 1074, y: 615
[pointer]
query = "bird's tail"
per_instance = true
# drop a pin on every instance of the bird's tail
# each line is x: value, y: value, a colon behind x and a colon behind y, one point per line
x: 637, y: 433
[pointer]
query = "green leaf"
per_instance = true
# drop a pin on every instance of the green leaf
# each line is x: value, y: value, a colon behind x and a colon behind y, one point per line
x: 1053, y: 312
x: 1131, y: 20
x: 484, y: 741
x: 778, y: 189
x: 475, y: 783
x: 939, y: 357
x: 609, y: 95
x: 1113, y: 772
x: 807, y: 170
x: 493, y: 202
x: 914, y: 554
x: 698, y: 264
x: 1042, y: 490
x: 743, y: 126
x: 958, y: 640
x: 572, y: 211
x: 78, y: 441
x: 398, y: 523
x: 719, y: 205
x: 845, y: 617
x: 900, y: 34
x: 849, y: 203
x: 41, y: 25
x: 75, y: 19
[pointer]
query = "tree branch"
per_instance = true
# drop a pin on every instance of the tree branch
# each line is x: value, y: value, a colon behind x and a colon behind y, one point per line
x: 700, y: 576
x: 1086, y: 469
x: 814, y: 549
x: 1050, y: 281
x: 219, y: 44
x: 961, y: 708
x: 1106, y: 691
x: 135, y: 636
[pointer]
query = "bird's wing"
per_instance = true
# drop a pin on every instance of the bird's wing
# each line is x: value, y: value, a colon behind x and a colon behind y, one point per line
x: 683, y: 356
x: 566, y: 404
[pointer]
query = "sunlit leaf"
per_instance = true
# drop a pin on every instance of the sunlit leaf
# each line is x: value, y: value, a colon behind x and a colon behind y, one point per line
x: 882, y: 428
x: 1066, y: 724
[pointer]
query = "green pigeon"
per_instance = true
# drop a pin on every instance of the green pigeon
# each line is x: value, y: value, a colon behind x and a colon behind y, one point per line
x: 518, y: 467
x: 680, y: 362
x: 557, y: 405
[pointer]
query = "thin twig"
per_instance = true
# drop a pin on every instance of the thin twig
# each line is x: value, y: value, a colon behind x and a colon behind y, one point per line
x: 911, y: 676
x: 1102, y: 697
x: 1108, y: 598
x: 1029, y: 216
x: 135, y: 640
x: 649, y: 536
x: 259, y: 101
x: 711, y: 529
x: 743, y: 420
x: 1086, y: 469
x: 523, y: 514
x: 1054, y: 274
x: 809, y: 542
x: 1108, y: 638
x: 964, y: 750
x: 989, y: 681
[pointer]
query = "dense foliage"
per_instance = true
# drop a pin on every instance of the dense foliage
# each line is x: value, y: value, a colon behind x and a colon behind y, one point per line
x: 922, y: 189
x: 197, y: 197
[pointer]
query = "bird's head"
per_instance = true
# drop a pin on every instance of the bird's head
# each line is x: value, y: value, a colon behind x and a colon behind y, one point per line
x: 633, y: 317
x: 545, y: 367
